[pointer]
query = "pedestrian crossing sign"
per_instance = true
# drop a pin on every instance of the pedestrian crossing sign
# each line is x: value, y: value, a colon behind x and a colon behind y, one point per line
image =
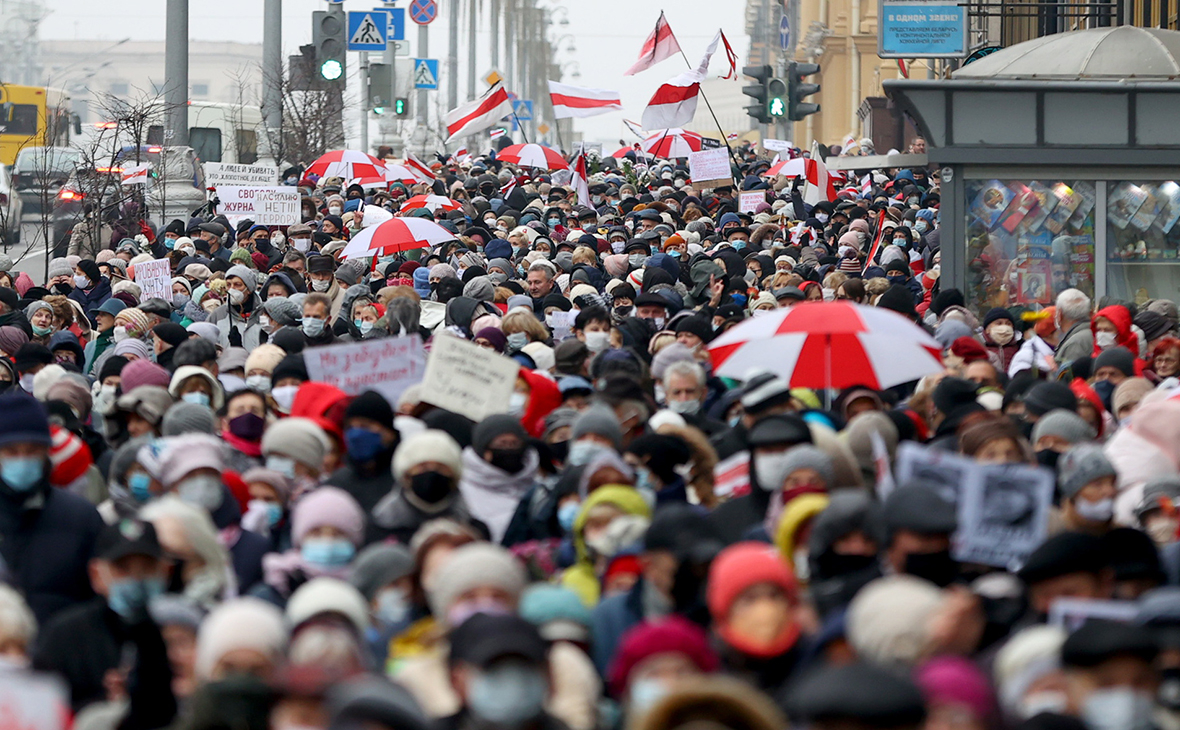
x: 425, y: 73
x: 368, y: 30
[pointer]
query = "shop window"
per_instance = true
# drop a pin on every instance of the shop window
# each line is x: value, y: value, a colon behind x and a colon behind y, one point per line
x: 1142, y: 239
x: 1027, y: 241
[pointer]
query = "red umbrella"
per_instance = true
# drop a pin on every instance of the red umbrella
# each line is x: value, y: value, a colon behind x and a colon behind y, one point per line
x: 346, y: 164
x: 532, y: 155
x: 674, y: 142
x: 397, y: 234
x: 431, y: 202
x: 787, y: 168
x: 829, y: 345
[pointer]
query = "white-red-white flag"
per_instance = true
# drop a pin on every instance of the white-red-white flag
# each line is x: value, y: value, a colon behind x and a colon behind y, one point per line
x: 419, y: 169
x: 659, y: 45
x: 866, y: 184
x: 136, y: 174
x: 577, y: 101
x: 580, y: 179
x: 730, y: 57
x: 497, y: 133
x: 635, y: 128
x: 479, y: 114
x: 674, y: 104
x: 819, y: 182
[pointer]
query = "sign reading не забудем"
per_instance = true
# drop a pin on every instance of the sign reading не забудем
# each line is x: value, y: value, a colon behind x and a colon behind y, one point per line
x: 922, y: 29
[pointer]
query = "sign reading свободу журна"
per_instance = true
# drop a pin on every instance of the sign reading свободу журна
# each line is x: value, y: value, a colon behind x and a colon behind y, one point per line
x: 922, y: 29
x: 268, y: 206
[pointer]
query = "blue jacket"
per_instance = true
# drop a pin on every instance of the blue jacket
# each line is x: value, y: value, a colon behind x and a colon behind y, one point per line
x: 613, y: 617
x: 92, y: 299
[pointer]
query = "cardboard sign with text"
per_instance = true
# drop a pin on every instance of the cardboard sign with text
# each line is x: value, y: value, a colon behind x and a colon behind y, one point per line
x: 748, y: 202
x: 468, y: 379
x: 710, y: 168
x: 388, y: 365
x: 224, y: 173
x: 268, y: 206
x: 776, y: 145
x: 155, y: 279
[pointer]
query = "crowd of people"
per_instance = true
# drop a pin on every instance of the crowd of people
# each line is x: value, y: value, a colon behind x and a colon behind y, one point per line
x: 196, y: 534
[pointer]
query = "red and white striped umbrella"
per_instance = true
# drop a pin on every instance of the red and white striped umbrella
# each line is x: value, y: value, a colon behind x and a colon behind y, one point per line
x: 621, y: 152
x: 787, y: 168
x: 397, y: 234
x: 674, y: 142
x: 433, y: 203
x: 532, y: 155
x: 346, y: 164
x: 829, y: 345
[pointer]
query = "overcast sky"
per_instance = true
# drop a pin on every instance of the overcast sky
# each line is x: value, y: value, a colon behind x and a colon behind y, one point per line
x: 608, y: 35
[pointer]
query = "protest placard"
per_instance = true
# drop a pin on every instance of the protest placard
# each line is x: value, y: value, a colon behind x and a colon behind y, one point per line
x: 1071, y: 613
x: 561, y: 324
x: 388, y: 365
x: 33, y: 701
x: 777, y: 145
x: 224, y: 173
x: 268, y: 206
x: 748, y: 202
x: 1003, y: 513
x: 710, y: 168
x: 945, y: 470
x: 468, y: 379
x: 154, y: 279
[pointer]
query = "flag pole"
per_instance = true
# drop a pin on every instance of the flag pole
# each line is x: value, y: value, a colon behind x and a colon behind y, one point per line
x: 711, y: 113
x: 519, y: 125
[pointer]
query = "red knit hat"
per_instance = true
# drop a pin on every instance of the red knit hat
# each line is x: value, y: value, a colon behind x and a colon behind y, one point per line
x: 741, y: 566
x: 670, y: 635
x: 969, y: 349
x: 69, y: 455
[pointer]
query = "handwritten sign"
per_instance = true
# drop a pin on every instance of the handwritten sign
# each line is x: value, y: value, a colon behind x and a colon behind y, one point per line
x: 748, y: 202
x: 155, y: 279
x: 777, y: 145
x: 388, y: 365
x: 268, y: 206
x: 224, y: 173
x: 710, y: 168
x: 467, y: 379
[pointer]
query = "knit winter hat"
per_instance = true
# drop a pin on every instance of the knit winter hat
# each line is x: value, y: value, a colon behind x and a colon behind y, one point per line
x: 283, y: 311
x: 143, y: 372
x: 331, y: 507
x: 888, y: 620
x: 185, y: 372
x: 995, y: 314
x: 1027, y: 656
x: 135, y: 320
x: 325, y: 595
x: 491, y: 427
x: 184, y: 417
x: 248, y: 276
x: 11, y: 339
x: 429, y: 445
x: 1116, y: 357
x: 132, y: 348
x: 182, y: 455
x: 280, y: 483
x: 742, y: 566
x: 952, y: 680
x: 1081, y: 465
x: 240, y: 623
x: 46, y: 378
x: 806, y: 456
x: 471, y: 566
x: 1129, y: 393
x: 1063, y: 424
x: 673, y: 634
x: 379, y: 565
x: 70, y: 391
x: 297, y: 438
x: 371, y: 405
x: 556, y: 611
x: 599, y: 421
x: 59, y: 267
x: 1045, y: 396
x: 265, y: 358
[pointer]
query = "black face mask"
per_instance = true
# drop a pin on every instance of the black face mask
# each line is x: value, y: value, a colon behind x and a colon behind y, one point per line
x: 1048, y: 457
x: 430, y: 486
x: 830, y: 564
x: 939, y: 568
x: 509, y: 460
x: 560, y: 450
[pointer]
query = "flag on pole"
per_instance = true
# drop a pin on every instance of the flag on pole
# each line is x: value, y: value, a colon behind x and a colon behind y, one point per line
x: 577, y: 101
x: 903, y: 68
x: 479, y: 114
x: 675, y: 103
x: 496, y: 133
x: 866, y: 184
x: 732, y: 135
x: 819, y: 182
x: 136, y: 174
x: 635, y: 128
x: 730, y: 56
x: 659, y: 45
x: 580, y: 179
x: 872, y: 257
x: 419, y: 169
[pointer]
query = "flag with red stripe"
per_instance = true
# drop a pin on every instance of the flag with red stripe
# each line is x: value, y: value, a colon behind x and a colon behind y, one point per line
x: 419, y: 169
x: 478, y: 115
x: 876, y: 247
x: 577, y: 101
x: 581, y: 179
x: 660, y: 45
x: 674, y: 104
x: 819, y: 181
x: 730, y: 57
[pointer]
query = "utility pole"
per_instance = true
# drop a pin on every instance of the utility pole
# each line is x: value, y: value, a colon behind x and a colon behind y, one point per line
x: 423, y: 52
x: 494, y: 11
x: 365, y: 104
x: 176, y: 71
x: 272, y: 67
x: 472, y: 29
x: 453, y: 54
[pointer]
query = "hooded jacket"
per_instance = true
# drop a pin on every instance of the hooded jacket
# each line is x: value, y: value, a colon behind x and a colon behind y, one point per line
x: 1124, y: 337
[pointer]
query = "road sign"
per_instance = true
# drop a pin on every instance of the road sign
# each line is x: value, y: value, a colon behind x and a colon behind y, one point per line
x: 425, y: 73
x: 423, y: 12
x: 492, y: 77
x: 522, y: 111
x: 397, y: 23
x: 543, y: 128
x: 784, y: 33
x: 401, y: 48
x: 367, y: 30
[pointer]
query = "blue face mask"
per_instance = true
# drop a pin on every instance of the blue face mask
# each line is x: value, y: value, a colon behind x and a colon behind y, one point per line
x: 327, y: 553
x: 674, y: 254
x: 554, y: 222
x: 313, y: 327
x: 22, y: 474
x: 738, y: 244
x: 363, y: 326
x: 140, y: 485
x: 274, y: 513
x: 198, y: 398
x: 169, y: 243
x: 363, y: 444
x: 567, y: 514
x: 738, y: 299
x: 643, y: 480
x: 130, y: 597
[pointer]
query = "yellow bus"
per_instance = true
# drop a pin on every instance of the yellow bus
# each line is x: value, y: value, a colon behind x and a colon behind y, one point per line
x: 32, y: 116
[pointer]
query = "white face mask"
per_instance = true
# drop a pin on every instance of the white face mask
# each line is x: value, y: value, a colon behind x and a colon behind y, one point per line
x: 335, y: 210
x: 81, y: 281
x: 321, y: 285
x: 264, y: 322
x: 1100, y: 511
x: 1118, y: 708
x: 120, y: 333
x: 26, y: 382
x: 770, y: 470
x: 284, y: 396
x: 236, y: 296
x: 596, y: 342
x: 1105, y: 340
x: 1002, y: 334
x: 516, y: 403
x: 302, y: 245
x: 1046, y: 701
x: 260, y: 383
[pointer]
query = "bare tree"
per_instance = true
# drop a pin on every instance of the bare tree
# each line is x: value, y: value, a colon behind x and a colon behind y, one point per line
x: 312, y: 118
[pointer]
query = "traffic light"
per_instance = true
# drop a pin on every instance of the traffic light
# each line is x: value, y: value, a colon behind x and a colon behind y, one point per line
x: 380, y: 86
x: 797, y: 90
x: 401, y: 107
x: 758, y: 91
x: 327, y: 35
x: 776, y: 98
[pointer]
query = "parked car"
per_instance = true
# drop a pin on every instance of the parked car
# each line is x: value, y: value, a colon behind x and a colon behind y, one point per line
x: 11, y: 208
x: 39, y: 173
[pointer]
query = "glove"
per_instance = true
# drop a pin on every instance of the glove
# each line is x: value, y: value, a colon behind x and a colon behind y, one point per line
x: 235, y: 337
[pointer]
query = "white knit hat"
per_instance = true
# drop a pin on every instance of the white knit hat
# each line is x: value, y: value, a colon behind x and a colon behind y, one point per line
x: 889, y: 618
x: 297, y: 438
x: 430, y: 445
x: 240, y: 623
x: 471, y: 566
x: 1025, y: 658
x: 328, y: 595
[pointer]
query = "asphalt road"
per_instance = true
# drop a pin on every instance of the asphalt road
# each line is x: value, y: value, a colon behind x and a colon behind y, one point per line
x: 29, y: 254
